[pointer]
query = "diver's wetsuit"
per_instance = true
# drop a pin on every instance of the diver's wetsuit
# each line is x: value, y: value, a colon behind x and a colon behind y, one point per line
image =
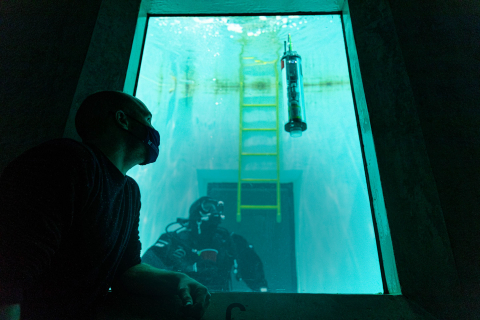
x: 180, y: 252
x: 68, y: 229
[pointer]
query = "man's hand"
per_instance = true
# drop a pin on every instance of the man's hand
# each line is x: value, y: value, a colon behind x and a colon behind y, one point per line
x: 194, y: 295
x: 147, y: 280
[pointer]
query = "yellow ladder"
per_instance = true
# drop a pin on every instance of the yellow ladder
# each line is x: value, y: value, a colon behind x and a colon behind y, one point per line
x: 247, y: 154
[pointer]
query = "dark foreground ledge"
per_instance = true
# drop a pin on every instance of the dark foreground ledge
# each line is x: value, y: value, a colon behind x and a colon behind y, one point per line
x: 262, y: 306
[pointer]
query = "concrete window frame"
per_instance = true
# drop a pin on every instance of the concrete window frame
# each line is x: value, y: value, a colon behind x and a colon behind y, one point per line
x: 414, y: 287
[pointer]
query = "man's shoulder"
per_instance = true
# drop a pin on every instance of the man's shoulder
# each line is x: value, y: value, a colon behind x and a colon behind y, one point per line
x: 133, y: 183
x: 54, y: 163
x: 54, y: 154
x: 66, y: 144
x: 60, y: 149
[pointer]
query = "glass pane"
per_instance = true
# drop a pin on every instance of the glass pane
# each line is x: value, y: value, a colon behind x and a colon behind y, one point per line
x: 206, y: 78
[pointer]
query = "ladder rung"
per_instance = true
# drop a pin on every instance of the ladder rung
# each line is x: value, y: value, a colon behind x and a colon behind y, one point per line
x: 260, y: 105
x: 258, y: 63
x: 253, y: 180
x: 258, y: 207
x: 254, y: 64
x: 258, y: 154
x: 259, y: 129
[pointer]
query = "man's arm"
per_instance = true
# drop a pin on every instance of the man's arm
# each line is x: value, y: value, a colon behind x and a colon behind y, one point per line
x: 144, y: 279
x: 147, y: 280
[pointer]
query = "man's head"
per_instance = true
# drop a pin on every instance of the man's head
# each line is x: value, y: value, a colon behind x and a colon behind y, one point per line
x: 205, y: 215
x: 120, y: 119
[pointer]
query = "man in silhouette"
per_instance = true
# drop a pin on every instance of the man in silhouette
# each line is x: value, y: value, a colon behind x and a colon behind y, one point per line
x: 69, y: 219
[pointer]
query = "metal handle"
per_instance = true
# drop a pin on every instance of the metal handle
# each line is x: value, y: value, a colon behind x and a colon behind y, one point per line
x: 230, y: 307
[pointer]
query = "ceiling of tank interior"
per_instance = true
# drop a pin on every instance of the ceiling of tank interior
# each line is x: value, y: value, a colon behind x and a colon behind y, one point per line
x: 183, y: 7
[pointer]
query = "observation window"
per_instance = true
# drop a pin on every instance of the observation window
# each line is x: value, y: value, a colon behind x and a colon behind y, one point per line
x: 211, y: 83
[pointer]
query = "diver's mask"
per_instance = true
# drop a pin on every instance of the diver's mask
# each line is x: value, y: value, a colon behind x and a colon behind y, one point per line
x: 151, y: 138
x: 210, y: 215
x: 211, y: 211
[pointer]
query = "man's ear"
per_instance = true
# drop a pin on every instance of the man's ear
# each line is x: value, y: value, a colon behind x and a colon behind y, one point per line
x: 121, y: 119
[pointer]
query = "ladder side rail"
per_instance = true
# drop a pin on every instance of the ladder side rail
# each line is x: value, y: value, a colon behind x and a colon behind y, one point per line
x: 240, y: 141
x: 279, y: 213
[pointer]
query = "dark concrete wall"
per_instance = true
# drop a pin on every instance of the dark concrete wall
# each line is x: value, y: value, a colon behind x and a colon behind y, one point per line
x: 440, y: 42
x: 425, y: 263
x: 105, y: 66
x: 43, y: 45
x: 420, y: 63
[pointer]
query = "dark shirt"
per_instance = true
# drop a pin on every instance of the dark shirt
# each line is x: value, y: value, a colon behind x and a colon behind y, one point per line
x: 68, y: 230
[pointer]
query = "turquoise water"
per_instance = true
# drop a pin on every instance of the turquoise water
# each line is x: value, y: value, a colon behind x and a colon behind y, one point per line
x: 190, y: 80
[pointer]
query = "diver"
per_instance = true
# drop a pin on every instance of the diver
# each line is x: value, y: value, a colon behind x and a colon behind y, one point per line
x: 206, y: 252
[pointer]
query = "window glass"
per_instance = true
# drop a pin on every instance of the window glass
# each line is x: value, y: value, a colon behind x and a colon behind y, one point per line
x: 210, y: 83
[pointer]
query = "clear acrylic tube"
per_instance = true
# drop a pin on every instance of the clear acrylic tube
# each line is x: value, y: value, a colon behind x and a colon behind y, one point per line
x: 293, y: 101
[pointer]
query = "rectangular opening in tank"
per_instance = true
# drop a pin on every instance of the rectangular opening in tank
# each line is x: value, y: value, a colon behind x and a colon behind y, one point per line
x: 279, y: 213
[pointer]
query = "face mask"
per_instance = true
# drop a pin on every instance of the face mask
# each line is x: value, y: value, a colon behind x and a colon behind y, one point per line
x: 211, y: 214
x: 151, y: 139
